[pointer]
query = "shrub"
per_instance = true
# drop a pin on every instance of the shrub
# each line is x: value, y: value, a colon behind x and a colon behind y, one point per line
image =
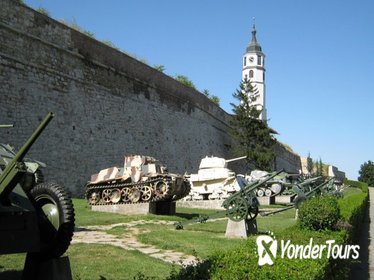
x: 241, y: 262
x: 319, y: 213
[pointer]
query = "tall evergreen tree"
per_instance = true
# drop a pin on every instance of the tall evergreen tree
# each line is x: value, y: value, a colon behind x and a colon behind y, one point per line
x: 253, y: 135
x: 309, y: 164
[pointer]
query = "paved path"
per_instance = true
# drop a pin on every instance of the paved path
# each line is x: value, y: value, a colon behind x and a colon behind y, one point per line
x: 370, y: 228
x: 128, y: 241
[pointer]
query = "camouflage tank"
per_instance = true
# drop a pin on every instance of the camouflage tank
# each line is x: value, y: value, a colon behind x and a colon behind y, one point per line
x: 213, y: 180
x: 142, y: 179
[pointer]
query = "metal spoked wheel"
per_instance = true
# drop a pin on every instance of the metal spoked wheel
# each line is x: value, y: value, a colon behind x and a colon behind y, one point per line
x: 125, y: 194
x: 162, y: 190
x: 115, y: 196
x: 55, y: 218
x: 237, y: 209
x: 147, y: 193
x: 135, y: 195
x: 94, y: 197
x: 106, y: 195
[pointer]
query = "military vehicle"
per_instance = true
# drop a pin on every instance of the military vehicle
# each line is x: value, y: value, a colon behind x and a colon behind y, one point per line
x: 213, y: 180
x: 35, y: 217
x: 142, y: 179
x: 276, y: 186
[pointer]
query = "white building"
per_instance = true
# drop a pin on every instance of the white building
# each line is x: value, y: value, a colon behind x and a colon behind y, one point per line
x: 254, y: 70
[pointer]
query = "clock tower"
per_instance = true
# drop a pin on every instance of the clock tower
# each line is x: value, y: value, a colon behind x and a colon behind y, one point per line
x: 254, y: 70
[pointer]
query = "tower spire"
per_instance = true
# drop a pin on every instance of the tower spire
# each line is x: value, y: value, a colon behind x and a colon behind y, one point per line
x: 254, y: 46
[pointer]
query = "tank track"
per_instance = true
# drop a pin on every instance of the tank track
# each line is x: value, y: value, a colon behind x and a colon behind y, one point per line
x: 166, y: 195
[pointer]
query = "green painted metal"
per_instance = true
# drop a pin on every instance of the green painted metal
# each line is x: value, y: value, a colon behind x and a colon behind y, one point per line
x: 14, y: 171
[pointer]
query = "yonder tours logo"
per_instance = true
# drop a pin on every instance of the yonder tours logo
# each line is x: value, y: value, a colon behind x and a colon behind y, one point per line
x: 267, y: 247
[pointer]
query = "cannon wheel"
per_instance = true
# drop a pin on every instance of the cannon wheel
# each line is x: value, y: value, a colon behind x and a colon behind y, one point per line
x: 55, y: 218
x: 237, y: 209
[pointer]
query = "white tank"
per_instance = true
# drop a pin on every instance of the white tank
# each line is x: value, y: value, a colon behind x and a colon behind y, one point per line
x: 213, y: 180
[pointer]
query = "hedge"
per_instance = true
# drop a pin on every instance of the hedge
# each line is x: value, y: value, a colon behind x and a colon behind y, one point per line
x: 242, y: 263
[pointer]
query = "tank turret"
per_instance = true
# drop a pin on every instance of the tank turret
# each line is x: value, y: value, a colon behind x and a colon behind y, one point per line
x: 213, y: 179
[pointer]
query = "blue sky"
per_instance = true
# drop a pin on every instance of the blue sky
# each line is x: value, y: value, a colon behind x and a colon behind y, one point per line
x: 319, y: 59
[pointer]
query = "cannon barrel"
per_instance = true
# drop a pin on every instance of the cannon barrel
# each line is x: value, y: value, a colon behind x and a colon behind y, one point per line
x: 6, y: 125
x: 310, y: 180
x: 256, y: 184
x: 319, y: 187
x: 13, y: 170
x: 235, y: 159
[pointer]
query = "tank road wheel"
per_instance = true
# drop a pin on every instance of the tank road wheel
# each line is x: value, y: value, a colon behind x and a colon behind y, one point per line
x: 125, y: 194
x: 162, y: 190
x: 115, y: 196
x: 147, y: 193
x: 276, y: 188
x: 106, y: 195
x: 135, y: 195
x: 268, y: 192
x: 237, y: 209
x: 260, y: 193
x: 93, y: 197
x: 55, y: 218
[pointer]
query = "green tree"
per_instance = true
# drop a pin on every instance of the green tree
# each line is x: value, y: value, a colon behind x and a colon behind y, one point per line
x: 309, y: 164
x: 319, y: 167
x: 215, y: 99
x: 367, y: 173
x: 253, y: 135
x: 160, y: 68
x: 43, y: 11
x: 185, y: 80
x: 206, y: 92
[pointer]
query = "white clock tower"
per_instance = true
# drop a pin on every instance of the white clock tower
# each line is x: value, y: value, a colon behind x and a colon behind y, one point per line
x: 254, y: 70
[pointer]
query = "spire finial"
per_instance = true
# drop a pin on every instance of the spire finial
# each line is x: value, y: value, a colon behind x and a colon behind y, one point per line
x: 254, y: 22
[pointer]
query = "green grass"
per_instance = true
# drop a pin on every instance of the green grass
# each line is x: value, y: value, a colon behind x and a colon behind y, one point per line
x: 11, y: 266
x: 84, y: 216
x: 108, y: 262
x: 205, y: 239
x: 94, y: 261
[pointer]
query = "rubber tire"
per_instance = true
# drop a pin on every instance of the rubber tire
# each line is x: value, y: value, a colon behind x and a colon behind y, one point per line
x: 54, y: 242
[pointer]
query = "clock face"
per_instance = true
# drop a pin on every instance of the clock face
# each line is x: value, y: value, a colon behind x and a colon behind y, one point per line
x: 251, y: 59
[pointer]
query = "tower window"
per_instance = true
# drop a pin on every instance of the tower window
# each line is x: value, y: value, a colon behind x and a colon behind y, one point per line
x: 251, y: 73
x: 245, y: 61
x: 259, y: 60
x: 245, y: 77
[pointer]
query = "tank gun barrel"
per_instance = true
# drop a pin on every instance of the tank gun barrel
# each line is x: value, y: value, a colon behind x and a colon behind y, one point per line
x: 6, y: 125
x: 235, y: 159
x: 9, y: 177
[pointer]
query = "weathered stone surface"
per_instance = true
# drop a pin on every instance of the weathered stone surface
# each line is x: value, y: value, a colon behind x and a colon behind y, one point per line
x: 106, y: 103
x: 240, y: 229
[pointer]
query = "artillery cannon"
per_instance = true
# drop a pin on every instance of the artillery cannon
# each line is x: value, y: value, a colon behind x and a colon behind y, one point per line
x: 303, y: 193
x: 37, y: 218
x: 240, y: 205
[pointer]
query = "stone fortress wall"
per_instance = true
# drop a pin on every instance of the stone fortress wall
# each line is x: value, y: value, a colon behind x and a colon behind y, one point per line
x: 106, y: 103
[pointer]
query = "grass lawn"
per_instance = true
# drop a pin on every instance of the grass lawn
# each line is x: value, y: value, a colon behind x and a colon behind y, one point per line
x: 107, y: 262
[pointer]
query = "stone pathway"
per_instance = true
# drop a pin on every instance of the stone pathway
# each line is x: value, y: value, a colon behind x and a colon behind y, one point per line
x: 128, y: 241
